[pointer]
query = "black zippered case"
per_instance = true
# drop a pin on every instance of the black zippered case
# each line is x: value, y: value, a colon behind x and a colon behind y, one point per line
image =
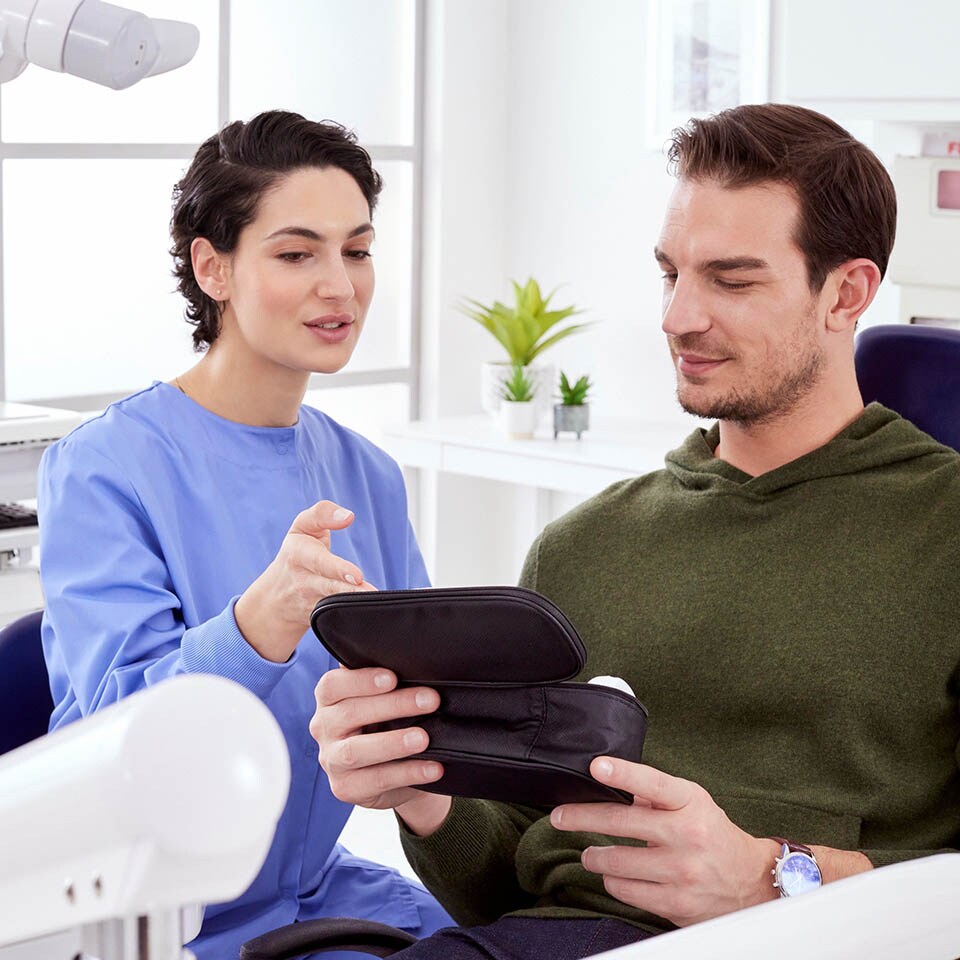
x: 511, y: 724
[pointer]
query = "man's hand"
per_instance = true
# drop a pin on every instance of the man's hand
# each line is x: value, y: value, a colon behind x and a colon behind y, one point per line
x: 697, y: 864
x: 274, y: 611
x: 377, y: 770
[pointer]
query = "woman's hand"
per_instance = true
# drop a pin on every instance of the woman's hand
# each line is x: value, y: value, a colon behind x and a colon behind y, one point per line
x: 274, y: 611
x: 372, y: 769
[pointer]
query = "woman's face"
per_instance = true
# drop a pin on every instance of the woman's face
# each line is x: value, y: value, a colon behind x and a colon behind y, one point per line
x: 300, y: 280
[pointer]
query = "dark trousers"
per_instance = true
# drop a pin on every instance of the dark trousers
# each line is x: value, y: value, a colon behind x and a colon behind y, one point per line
x: 525, y: 938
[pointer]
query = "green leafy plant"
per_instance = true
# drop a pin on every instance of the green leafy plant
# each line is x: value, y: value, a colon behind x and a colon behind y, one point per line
x: 522, y: 329
x: 518, y: 388
x: 576, y: 395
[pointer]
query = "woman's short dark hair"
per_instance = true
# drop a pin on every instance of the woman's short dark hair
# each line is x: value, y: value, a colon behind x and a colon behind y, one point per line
x: 848, y: 208
x: 222, y: 188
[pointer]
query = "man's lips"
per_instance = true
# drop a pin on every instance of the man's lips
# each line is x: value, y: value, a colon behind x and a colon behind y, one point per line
x: 695, y: 365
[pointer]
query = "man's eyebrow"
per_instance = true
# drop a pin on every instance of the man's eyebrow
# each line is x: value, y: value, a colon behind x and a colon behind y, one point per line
x: 661, y: 257
x: 734, y: 263
x: 309, y: 234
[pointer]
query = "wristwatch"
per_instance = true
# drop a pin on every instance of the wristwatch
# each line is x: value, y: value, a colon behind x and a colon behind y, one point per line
x: 795, y: 871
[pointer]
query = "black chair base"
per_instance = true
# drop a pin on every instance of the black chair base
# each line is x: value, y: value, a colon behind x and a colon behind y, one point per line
x: 324, y: 936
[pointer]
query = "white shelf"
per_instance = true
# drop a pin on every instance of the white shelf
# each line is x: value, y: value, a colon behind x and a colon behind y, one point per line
x: 474, y: 446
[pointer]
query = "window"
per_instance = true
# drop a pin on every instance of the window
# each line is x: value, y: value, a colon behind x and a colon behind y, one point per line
x: 89, y: 310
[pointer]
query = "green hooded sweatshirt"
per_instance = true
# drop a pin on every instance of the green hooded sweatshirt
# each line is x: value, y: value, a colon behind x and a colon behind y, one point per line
x: 795, y: 637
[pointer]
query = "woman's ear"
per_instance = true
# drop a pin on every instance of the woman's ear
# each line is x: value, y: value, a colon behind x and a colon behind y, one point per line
x: 210, y: 269
x: 855, y: 284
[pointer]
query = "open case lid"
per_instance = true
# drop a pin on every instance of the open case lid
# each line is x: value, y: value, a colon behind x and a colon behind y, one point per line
x: 504, y: 635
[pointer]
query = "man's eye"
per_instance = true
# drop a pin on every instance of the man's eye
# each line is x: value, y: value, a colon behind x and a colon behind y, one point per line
x: 669, y: 278
x: 734, y: 284
x: 294, y: 256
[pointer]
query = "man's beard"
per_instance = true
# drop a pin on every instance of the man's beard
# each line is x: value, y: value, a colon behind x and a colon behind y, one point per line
x: 768, y: 402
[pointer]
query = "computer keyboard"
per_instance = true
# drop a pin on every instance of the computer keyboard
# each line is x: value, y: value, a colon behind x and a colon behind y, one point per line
x: 15, y: 515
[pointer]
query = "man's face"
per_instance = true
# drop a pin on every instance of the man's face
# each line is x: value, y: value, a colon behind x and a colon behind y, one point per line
x: 740, y: 320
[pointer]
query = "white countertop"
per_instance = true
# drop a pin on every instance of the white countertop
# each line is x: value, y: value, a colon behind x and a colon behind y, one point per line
x: 611, y: 450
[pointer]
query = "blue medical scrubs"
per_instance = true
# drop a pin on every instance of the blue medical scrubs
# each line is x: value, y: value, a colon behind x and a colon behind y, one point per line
x: 154, y: 518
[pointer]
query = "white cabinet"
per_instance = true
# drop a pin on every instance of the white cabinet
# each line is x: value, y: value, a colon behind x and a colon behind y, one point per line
x: 896, y: 60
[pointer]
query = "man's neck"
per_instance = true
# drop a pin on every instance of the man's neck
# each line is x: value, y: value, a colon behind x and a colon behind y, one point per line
x: 759, y: 448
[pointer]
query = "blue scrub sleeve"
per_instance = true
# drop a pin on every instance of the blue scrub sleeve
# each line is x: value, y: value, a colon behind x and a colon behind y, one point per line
x: 113, y: 624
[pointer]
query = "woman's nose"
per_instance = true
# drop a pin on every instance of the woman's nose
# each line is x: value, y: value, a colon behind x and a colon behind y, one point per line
x: 334, y: 282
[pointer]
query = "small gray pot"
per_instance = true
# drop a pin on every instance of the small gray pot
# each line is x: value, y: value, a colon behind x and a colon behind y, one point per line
x: 570, y: 418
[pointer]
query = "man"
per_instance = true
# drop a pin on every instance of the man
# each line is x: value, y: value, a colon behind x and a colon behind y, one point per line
x: 782, y: 596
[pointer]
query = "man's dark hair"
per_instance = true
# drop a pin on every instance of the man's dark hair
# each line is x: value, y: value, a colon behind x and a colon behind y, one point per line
x: 230, y: 173
x: 848, y: 208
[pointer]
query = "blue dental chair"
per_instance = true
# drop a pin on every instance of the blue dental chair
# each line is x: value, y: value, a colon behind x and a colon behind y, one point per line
x: 915, y: 371
x: 25, y: 701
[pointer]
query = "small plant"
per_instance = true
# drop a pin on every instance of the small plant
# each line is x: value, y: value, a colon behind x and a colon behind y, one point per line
x: 576, y: 395
x: 522, y: 329
x: 518, y: 388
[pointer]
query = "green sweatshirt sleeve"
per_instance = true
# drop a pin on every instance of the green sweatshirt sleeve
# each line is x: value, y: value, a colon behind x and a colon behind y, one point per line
x: 469, y: 862
x: 884, y: 858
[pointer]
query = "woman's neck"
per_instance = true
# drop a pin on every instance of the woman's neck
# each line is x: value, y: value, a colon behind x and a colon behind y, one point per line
x: 245, y: 388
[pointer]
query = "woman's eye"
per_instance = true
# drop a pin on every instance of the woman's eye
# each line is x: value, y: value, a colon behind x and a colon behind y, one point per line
x: 359, y: 254
x: 294, y: 256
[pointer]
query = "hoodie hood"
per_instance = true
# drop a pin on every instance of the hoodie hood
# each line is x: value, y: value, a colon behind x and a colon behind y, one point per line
x: 877, y: 439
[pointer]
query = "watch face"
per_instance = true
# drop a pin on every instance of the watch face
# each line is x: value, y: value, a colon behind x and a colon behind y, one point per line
x: 798, y: 873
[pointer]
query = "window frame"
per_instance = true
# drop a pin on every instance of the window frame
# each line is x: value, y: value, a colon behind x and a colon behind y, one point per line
x: 408, y: 374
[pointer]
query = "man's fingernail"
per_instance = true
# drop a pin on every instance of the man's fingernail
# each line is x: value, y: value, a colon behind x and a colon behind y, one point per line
x: 605, y: 768
x: 424, y: 699
x: 413, y: 738
x: 350, y: 578
x: 382, y: 680
x: 432, y: 771
x: 341, y: 514
x: 556, y: 816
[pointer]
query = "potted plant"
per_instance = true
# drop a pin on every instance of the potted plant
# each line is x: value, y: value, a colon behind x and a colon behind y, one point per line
x: 518, y: 413
x: 525, y: 330
x: 573, y: 412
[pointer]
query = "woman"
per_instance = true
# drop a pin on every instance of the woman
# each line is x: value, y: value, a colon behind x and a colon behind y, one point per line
x: 193, y: 526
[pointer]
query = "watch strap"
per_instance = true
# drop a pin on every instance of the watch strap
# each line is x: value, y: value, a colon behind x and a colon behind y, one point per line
x: 794, y: 847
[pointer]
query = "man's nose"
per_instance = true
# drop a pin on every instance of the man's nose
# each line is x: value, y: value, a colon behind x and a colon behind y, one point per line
x: 684, y: 310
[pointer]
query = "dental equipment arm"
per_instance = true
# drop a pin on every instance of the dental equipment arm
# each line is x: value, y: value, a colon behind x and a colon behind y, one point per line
x: 110, y: 45
x: 111, y: 825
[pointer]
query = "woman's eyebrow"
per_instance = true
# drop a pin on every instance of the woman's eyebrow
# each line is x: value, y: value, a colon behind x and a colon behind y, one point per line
x: 309, y: 234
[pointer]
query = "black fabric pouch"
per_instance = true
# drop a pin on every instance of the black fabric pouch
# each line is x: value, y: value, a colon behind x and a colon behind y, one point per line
x: 511, y: 726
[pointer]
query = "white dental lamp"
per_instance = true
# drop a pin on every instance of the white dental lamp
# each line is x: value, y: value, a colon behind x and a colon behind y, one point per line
x: 101, y: 42
x: 112, y: 827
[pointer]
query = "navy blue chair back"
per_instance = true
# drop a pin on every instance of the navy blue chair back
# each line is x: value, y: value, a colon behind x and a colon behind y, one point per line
x: 914, y: 370
x: 25, y: 701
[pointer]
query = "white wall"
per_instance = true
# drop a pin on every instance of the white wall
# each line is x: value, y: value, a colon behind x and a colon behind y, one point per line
x: 536, y: 167
x: 541, y: 168
x: 586, y: 195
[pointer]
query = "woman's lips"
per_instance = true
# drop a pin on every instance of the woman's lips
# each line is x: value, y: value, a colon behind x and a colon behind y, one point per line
x: 331, y: 329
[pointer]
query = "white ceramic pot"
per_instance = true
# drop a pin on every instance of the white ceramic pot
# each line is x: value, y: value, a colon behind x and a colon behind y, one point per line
x: 518, y: 420
x: 542, y: 376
